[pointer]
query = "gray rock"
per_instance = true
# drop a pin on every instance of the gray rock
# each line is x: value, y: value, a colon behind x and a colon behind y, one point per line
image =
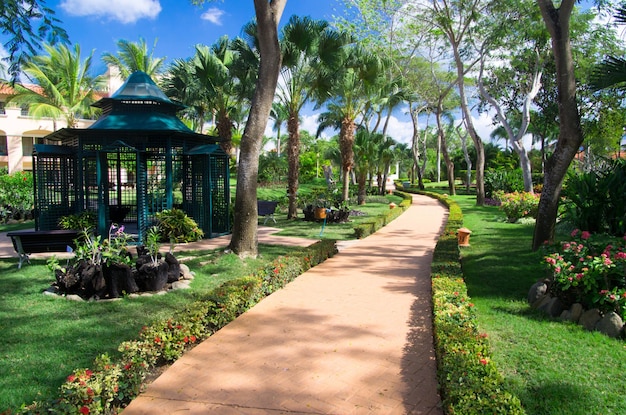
x: 576, y: 311
x: 566, y: 315
x: 590, y: 318
x: 611, y: 325
x: 538, y: 290
x: 541, y: 301
x: 554, y: 308
x: 74, y: 297
x: 181, y: 285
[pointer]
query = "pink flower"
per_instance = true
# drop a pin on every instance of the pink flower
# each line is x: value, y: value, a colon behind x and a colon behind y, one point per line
x: 575, y: 232
x: 579, y: 276
x: 585, y: 235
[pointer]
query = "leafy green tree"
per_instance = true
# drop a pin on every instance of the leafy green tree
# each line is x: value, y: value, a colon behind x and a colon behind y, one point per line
x: 65, y: 89
x: 366, y: 149
x: 280, y: 115
x: 306, y: 45
x: 347, y: 89
x: 134, y: 56
x: 28, y: 24
x: 557, y: 18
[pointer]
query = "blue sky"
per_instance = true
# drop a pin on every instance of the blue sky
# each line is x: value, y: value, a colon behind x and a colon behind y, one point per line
x: 176, y: 25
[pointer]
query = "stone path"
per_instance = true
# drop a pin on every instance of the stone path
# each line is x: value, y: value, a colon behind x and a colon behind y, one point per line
x: 351, y: 336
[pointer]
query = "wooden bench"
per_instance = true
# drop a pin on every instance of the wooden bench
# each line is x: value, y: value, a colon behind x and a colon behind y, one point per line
x: 267, y: 208
x: 32, y: 242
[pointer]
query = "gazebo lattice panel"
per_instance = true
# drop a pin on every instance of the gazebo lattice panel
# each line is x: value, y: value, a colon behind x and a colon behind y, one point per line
x: 138, y: 159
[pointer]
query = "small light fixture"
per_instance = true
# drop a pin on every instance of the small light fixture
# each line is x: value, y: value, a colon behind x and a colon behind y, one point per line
x: 463, y: 236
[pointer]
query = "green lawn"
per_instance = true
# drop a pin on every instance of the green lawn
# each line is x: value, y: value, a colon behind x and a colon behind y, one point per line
x: 553, y: 367
x: 44, y: 338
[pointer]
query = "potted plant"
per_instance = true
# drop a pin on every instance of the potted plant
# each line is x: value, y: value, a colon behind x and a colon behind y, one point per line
x: 152, y: 271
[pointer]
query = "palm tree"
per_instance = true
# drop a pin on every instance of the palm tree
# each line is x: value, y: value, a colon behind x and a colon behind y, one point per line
x: 64, y: 86
x: 612, y: 71
x: 212, y: 67
x: 134, y: 56
x: 279, y: 114
x: 180, y: 83
x: 349, y: 87
x: 306, y: 45
x: 365, y: 156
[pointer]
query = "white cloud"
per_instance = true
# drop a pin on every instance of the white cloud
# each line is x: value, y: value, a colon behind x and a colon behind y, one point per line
x: 121, y: 10
x: 400, y: 130
x: 213, y: 15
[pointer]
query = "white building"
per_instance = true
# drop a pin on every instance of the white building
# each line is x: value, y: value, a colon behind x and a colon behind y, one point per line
x: 19, y: 131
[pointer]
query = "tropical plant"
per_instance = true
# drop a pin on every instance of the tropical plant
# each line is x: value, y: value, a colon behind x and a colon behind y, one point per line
x: 28, y: 24
x: 64, y: 88
x: 134, y: 56
x: 348, y: 84
x: 175, y: 226
x: 306, y: 45
x: 181, y: 83
x: 16, y: 195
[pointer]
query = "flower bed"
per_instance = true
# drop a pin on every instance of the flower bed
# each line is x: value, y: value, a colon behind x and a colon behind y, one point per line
x: 114, y: 381
x: 469, y: 381
x: 587, y: 272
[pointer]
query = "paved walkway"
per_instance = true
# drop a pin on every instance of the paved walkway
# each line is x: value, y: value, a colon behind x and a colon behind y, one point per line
x: 351, y: 336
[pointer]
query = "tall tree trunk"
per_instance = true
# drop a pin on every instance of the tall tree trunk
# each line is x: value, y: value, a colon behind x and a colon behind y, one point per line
x: 293, y: 158
x: 570, y: 132
x: 346, y: 143
x: 478, y: 143
x: 244, y: 241
x: 225, y: 131
x: 444, y: 150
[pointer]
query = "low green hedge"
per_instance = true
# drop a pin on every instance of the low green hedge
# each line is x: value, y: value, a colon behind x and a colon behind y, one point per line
x: 369, y: 227
x: 469, y: 381
x: 113, y: 383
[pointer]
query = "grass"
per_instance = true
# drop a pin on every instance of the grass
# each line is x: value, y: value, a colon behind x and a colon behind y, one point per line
x: 17, y: 226
x: 552, y: 366
x: 338, y: 231
x: 44, y: 338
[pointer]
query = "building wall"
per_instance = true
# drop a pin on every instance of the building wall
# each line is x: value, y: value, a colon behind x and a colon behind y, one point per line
x: 19, y: 131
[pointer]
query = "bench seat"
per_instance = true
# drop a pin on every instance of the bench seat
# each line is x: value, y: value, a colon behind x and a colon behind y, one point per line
x: 267, y: 208
x: 32, y: 242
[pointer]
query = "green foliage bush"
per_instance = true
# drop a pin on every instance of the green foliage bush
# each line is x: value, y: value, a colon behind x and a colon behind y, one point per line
x: 175, y: 226
x: 113, y: 384
x: 272, y: 168
x: 518, y: 205
x: 469, y: 381
x: 16, y: 195
x: 84, y: 221
x: 596, y: 201
x: 591, y: 270
x: 369, y: 227
x: 502, y: 180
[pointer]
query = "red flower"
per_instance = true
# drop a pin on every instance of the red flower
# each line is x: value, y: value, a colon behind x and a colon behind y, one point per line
x: 186, y: 339
x: 88, y: 373
x: 585, y: 235
x: 483, y: 361
x: 193, y: 339
x: 71, y: 378
x: 89, y: 391
x: 157, y: 340
x: 127, y: 366
x: 84, y: 410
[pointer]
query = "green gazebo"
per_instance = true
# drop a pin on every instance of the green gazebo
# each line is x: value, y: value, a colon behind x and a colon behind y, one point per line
x: 136, y: 160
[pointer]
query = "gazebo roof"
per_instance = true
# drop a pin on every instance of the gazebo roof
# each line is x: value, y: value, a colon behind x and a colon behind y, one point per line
x: 139, y: 87
x: 138, y: 106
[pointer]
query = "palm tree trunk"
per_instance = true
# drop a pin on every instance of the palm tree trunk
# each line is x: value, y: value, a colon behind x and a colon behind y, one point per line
x: 346, y: 142
x: 293, y: 158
